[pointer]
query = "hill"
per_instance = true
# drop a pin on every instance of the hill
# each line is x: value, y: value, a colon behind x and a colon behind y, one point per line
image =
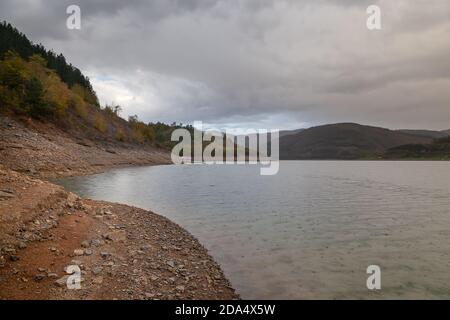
x: 426, y: 133
x: 439, y: 149
x: 13, y: 40
x: 41, y: 85
x: 51, y: 122
x: 344, y: 141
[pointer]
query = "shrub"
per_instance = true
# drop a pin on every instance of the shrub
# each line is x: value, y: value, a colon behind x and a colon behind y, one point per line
x: 36, y: 106
x: 99, y: 124
x: 79, y: 106
x: 120, y: 135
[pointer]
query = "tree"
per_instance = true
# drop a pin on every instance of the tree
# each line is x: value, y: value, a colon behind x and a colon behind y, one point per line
x: 117, y: 110
x: 12, y: 39
x: 34, y: 99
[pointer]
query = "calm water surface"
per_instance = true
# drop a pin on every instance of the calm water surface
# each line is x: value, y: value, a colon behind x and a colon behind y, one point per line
x: 308, y: 232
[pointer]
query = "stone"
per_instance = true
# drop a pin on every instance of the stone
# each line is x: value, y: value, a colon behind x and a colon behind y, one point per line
x: 98, y: 280
x: 171, y: 264
x: 88, y: 252
x: 62, y: 282
x: 96, y: 242
x: 5, y: 195
x: 9, y: 250
x: 154, y: 278
x: 22, y: 245
x: 180, y: 288
x: 97, y: 270
x: 39, y: 276
x: 78, y: 252
x: 71, y: 199
x: 85, y: 244
x: 76, y: 262
x: 105, y: 254
x: 116, y: 236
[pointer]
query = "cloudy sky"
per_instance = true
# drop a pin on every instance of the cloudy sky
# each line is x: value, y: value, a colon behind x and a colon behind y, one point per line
x: 256, y: 63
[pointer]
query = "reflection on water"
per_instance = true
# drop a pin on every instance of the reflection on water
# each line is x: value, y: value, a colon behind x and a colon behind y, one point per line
x: 308, y: 232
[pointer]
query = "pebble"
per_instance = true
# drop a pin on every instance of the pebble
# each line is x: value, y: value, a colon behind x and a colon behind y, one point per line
x: 180, y: 288
x: 96, y: 242
x: 98, y: 280
x: 171, y: 264
x: 9, y: 250
x: 78, y: 252
x: 39, y: 276
x: 5, y: 195
x: 22, y: 245
x: 62, y: 282
x: 97, y: 270
x: 76, y: 262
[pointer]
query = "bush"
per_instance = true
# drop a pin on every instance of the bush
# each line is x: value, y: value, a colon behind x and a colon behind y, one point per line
x: 36, y: 106
x: 79, y: 106
x: 99, y: 124
x: 120, y: 135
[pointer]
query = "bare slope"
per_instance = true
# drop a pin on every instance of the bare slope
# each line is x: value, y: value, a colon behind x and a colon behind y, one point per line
x: 44, y: 150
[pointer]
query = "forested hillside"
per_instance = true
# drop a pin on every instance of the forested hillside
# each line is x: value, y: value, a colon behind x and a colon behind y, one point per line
x: 13, y: 40
x: 40, y: 85
x: 439, y: 149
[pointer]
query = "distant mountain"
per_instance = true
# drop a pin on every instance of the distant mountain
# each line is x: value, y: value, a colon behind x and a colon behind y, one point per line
x: 439, y: 149
x: 284, y: 133
x: 344, y: 141
x: 426, y: 133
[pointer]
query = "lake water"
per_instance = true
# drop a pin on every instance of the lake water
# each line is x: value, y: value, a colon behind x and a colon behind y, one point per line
x: 308, y: 232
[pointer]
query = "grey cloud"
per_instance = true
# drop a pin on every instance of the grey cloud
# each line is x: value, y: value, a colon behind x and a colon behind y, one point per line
x: 226, y: 61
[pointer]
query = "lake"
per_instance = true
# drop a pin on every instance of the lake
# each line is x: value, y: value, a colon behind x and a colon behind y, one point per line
x: 309, y: 232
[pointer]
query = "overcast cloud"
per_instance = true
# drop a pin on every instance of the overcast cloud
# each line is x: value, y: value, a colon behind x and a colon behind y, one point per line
x: 260, y: 63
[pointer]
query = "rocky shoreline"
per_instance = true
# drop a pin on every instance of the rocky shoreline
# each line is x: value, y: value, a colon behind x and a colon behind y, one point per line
x: 123, y: 252
x: 44, y: 151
